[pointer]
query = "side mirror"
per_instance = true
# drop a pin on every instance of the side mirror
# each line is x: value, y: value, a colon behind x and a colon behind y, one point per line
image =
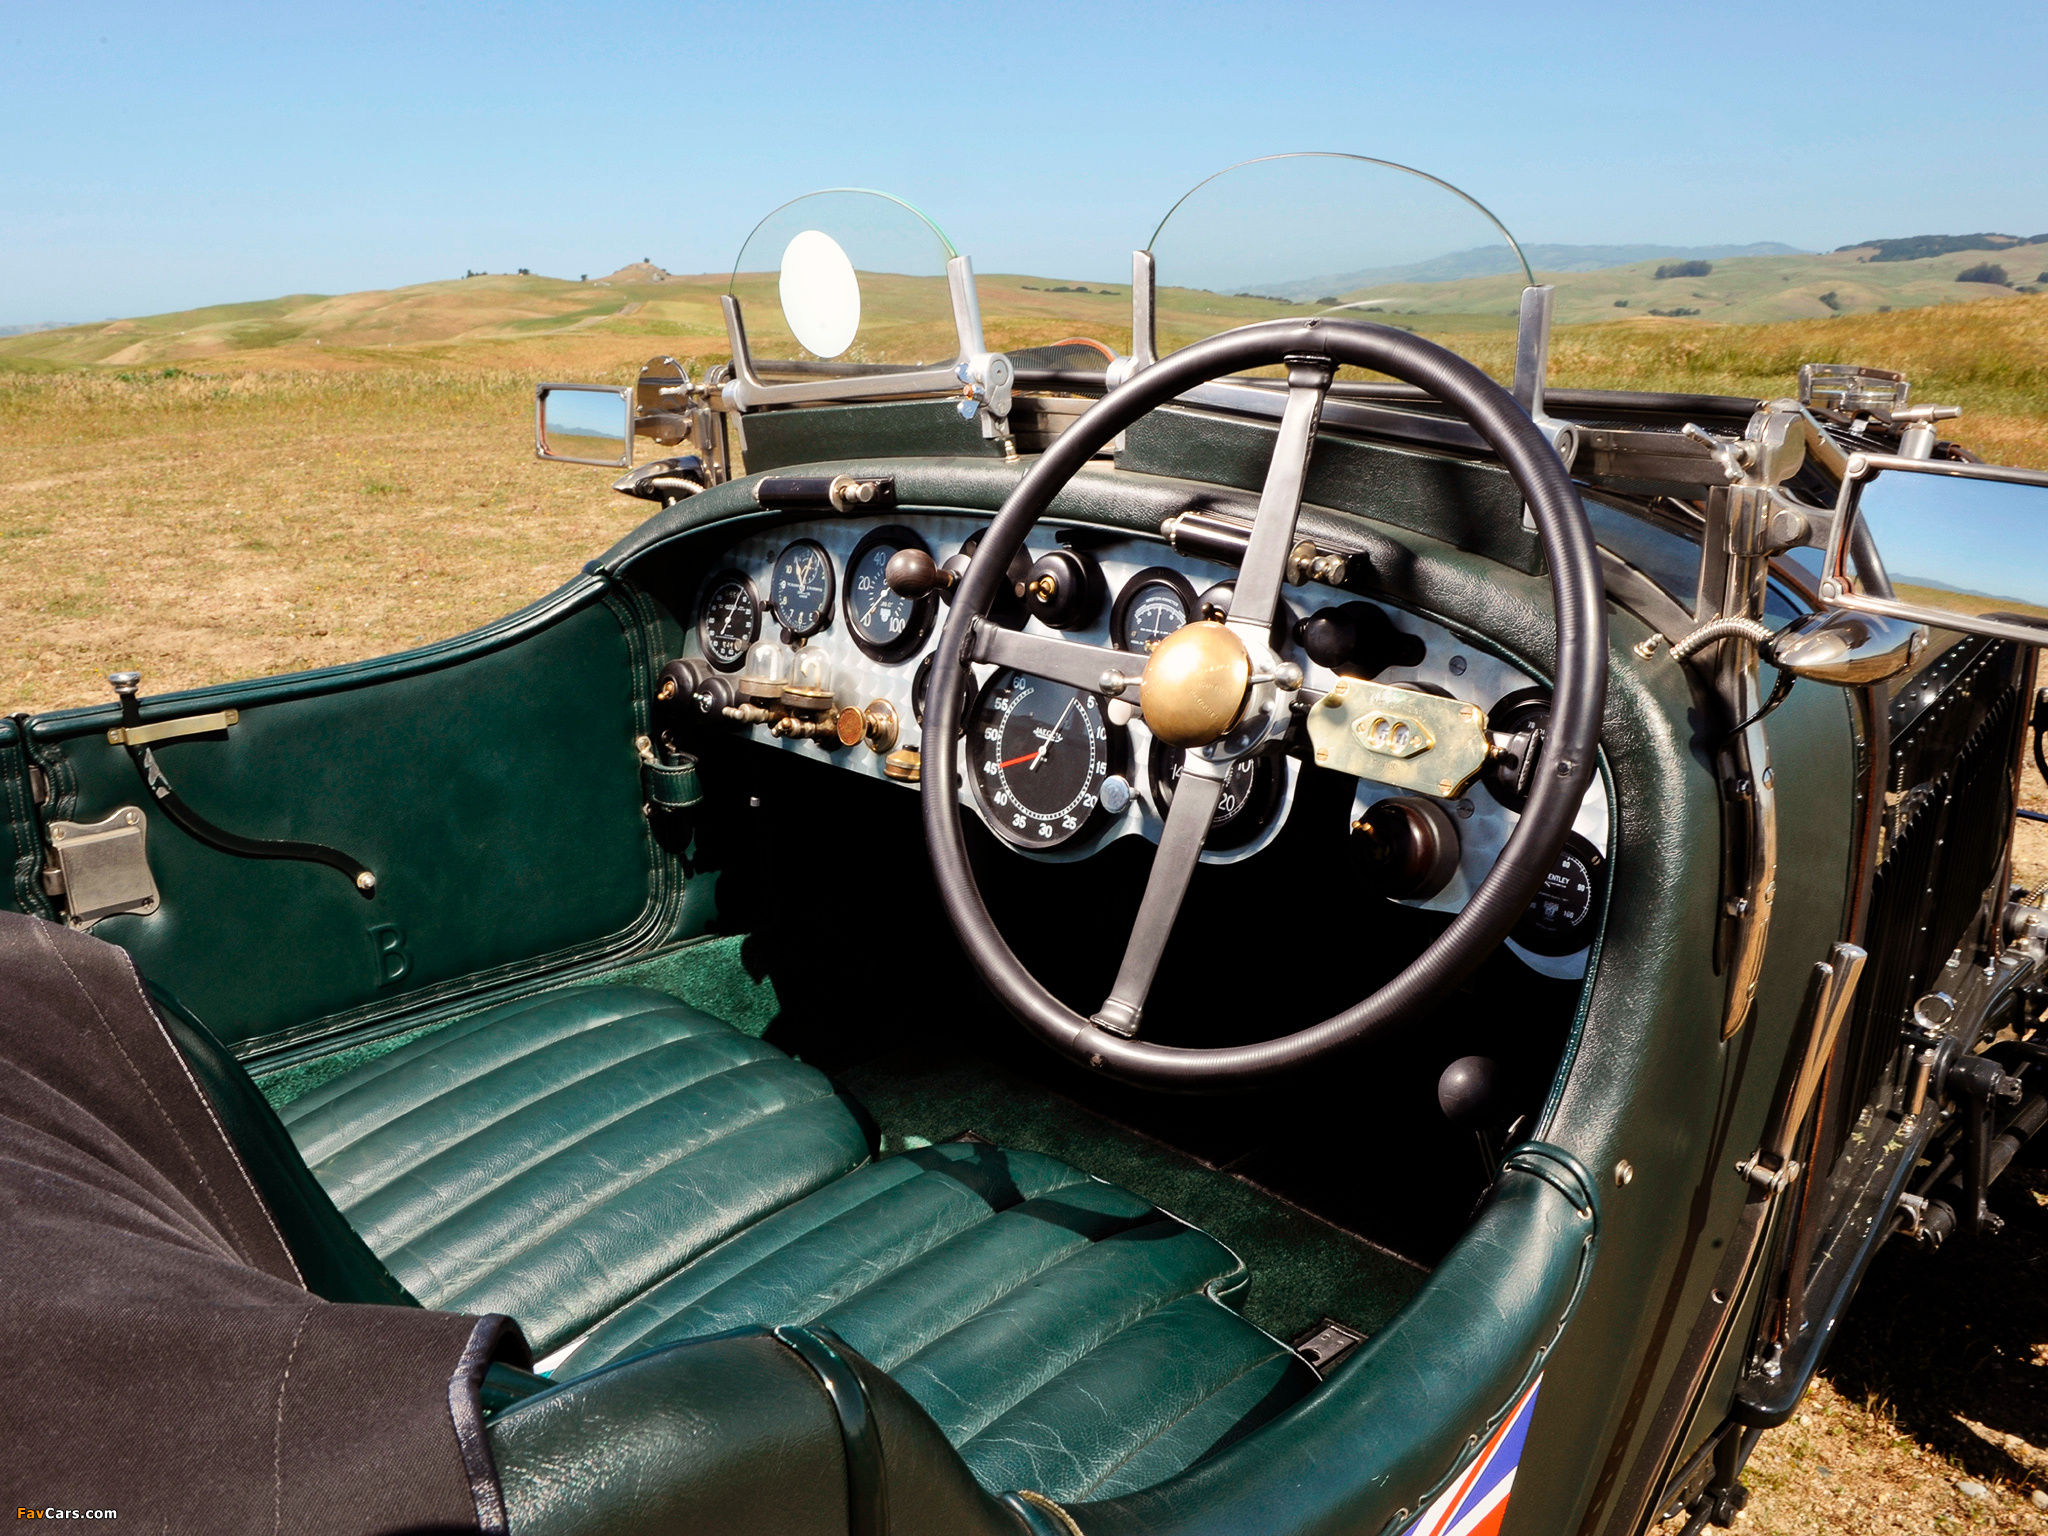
x: 1962, y: 547
x: 583, y: 424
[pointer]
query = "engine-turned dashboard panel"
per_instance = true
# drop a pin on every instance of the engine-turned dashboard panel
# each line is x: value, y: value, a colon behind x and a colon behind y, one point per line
x: 800, y: 640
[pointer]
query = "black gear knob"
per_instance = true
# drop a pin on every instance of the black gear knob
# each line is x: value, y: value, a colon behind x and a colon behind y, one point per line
x: 1469, y: 1092
x: 912, y: 573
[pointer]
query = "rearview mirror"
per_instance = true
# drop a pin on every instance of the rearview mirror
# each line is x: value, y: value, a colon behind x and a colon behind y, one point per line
x: 583, y: 424
x: 1960, y: 546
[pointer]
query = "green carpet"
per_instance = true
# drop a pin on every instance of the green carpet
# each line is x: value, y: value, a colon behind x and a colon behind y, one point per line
x: 1303, y: 1269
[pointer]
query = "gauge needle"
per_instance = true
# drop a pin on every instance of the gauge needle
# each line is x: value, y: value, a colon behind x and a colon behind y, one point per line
x: 1013, y: 762
x: 874, y: 605
x: 1053, y: 735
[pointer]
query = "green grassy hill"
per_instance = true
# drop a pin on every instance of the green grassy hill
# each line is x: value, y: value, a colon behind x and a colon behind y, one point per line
x: 1745, y: 291
x: 908, y: 317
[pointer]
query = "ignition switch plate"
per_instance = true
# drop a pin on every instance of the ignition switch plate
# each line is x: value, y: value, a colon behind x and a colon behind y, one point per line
x: 1414, y: 741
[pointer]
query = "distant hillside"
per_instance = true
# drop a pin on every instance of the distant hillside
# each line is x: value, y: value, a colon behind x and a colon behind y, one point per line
x: 1495, y: 260
x: 906, y: 317
x: 30, y: 330
x: 1916, y: 247
x: 1733, y: 290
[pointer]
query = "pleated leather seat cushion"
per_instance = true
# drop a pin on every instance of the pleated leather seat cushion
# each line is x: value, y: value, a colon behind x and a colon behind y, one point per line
x: 619, y: 1171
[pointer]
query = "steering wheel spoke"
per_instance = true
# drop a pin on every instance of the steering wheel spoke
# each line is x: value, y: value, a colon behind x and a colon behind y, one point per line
x: 1173, y: 865
x: 1093, y: 668
x: 1263, y: 570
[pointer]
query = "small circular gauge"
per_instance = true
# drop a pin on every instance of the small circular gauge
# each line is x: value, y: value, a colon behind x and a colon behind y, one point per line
x: 1250, y: 794
x: 729, y: 620
x: 885, y: 624
x: 1038, y: 753
x: 1560, y: 920
x: 800, y: 591
x: 1151, y: 606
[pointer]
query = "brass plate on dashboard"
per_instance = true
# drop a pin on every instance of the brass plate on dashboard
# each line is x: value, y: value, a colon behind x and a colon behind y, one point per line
x: 1397, y: 736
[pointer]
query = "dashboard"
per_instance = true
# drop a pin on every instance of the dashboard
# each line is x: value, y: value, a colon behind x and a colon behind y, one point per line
x: 799, y: 641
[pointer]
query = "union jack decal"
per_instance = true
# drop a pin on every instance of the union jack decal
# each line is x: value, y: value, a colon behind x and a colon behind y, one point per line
x: 1477, y: 1500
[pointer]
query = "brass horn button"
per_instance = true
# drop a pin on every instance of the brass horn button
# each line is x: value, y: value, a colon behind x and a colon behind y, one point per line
x: 1195, y: 684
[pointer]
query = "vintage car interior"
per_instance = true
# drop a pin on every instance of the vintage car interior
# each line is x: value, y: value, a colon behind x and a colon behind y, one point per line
x: 1076, y: 941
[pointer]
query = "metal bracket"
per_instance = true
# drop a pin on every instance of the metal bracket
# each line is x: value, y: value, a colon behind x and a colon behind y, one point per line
x: 103, y: 867
x: 172, y: 730
x: 1218, y: 536
x: 1398, y: 736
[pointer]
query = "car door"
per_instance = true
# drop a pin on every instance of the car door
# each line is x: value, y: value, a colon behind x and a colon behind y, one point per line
x: 489, y: 786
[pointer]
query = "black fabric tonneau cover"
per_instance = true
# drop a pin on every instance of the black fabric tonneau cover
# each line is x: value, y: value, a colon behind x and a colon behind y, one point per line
x: 165, y: 1361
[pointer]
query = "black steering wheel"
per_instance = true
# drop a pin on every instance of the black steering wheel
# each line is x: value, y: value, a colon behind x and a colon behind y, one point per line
x: 1219, y: 691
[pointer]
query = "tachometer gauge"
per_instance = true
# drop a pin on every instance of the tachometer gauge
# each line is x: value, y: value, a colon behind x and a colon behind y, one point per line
x: 885, y: 624
x: 1151, y: 606
x: 729, y: 621
x: 800, y: 591
x: 1560, y: 920
x: 1038, y: 752
x: 1250, y: 795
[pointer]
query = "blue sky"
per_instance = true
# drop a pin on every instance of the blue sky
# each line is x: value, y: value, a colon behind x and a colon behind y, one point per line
x: 166, y: 156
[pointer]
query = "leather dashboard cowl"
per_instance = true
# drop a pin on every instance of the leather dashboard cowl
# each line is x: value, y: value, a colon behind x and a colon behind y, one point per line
x: 630, y: 1449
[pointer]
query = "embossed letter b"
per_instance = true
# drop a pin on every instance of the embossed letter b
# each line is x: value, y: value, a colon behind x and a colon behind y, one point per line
x: 393, y: 963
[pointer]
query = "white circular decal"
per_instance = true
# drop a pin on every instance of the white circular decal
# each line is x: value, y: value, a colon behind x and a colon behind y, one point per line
x: 820, y: 294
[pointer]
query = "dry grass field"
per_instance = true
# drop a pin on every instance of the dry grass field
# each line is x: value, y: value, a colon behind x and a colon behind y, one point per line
x: 227, y: 493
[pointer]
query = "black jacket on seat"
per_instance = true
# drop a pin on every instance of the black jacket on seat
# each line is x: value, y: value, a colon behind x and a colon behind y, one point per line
x: 169, y: 1359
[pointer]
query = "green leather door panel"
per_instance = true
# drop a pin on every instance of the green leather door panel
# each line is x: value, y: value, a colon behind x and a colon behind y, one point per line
x: 491, y: 783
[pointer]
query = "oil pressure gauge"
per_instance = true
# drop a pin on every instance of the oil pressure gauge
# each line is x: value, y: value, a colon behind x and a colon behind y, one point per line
x: 884, y: 623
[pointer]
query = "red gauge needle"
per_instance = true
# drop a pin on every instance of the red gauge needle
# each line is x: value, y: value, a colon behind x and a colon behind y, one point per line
x: 1013, y: 762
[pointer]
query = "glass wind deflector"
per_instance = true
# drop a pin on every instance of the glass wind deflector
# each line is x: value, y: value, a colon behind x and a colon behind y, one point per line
x: 848, y: 294
x: 1348, y: 236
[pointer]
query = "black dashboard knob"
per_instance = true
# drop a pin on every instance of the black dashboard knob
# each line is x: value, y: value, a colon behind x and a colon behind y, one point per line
x: 1357, y: 640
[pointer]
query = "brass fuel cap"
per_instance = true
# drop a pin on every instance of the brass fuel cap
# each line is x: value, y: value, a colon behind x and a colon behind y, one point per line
x: 1195, y: 684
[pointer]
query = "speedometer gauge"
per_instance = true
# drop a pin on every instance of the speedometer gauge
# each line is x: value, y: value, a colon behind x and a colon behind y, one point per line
x: 729, y: 620
x: 1151, y: 606
x: 800, y: 591
x: 1038, y: 752
x: 885, y: 624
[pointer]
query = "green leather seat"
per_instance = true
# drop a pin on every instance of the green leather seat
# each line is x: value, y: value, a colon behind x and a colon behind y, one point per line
x: 618, y: 1171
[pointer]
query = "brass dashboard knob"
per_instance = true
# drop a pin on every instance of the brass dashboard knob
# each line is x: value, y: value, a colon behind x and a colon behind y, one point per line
x: 904, y: 765
x: 876, y: 725
x: 1195, y: 684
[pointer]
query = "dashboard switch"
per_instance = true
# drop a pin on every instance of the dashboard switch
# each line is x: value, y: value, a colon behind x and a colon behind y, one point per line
x: 1357, y: 640
x: 1407, y: 847
x: 1065, y: 589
